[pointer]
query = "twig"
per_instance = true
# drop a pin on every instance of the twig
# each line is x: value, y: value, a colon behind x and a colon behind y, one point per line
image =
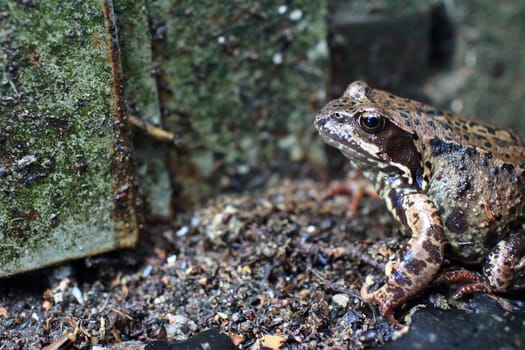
x: 153, y: 131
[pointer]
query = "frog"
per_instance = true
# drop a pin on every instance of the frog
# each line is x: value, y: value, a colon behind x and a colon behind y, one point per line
x: 455, y: 185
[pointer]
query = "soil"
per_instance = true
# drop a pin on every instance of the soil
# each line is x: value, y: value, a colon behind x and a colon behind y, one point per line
x: 278, y: 268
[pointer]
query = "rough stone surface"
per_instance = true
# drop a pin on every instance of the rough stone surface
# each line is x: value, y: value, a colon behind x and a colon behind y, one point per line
x: 483, y: 324
x: 59, y: 170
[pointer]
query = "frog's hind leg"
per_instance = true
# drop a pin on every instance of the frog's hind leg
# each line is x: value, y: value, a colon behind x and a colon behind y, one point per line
x: 504, y: 270
x: 505, y: 264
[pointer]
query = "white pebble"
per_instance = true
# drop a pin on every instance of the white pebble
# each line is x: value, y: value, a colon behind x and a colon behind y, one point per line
x: 341, y: 299
x: 183, y: 231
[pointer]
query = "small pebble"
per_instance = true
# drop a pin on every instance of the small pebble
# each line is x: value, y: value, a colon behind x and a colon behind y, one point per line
x: 172, y: 259
x: 147, y: 271
x: 341, y: 300
x: 78, y: 295
x: 183, y: 231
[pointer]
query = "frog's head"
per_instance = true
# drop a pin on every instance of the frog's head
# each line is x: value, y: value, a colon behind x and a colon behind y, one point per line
x: 363, y: 131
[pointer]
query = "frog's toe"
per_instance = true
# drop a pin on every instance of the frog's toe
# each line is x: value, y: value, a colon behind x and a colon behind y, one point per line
x: 478, y: 287
x: 357, y: 187
x: 386, y: 303
x: 458, y: 276
x: 472, y: 282
x: 389, y: 316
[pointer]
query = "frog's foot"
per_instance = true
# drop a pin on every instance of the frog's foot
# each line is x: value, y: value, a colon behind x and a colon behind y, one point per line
x: 355, y: 186
x: 501, y: 273
x: 386, y: 302
x: 473, y: 282
x: 505, y: 264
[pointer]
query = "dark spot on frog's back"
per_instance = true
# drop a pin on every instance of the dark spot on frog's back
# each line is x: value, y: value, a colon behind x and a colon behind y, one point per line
x: 513, y: 137
x: 430, y: 111
x: 463, y: 187
x: 439, y: 147
x: 401, y: 278
x: 480, y: 137
x: 456, y: 221
x: 445, y: 126
x: 397, y: 292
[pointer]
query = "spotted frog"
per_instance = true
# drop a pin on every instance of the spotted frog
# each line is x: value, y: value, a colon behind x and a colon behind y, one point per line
x: 455, y: 185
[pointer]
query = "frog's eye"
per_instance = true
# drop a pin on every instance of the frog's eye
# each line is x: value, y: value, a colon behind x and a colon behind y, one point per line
x: 371, y: 122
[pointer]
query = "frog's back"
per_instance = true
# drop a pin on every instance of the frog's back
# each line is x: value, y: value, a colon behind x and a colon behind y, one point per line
x: 479, y: 200
x: 443, y: 131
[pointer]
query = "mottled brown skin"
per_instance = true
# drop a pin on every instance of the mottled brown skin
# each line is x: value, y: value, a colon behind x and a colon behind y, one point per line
x: 451, y: 182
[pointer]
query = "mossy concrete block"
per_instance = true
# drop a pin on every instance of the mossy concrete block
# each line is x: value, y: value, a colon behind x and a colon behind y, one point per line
x: 486, y: 78
x: 66, y: 185
x: 142, y: 99
x: 239, y: 83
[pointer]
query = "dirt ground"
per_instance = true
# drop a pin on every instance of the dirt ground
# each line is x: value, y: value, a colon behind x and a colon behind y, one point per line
x: 279, y: 268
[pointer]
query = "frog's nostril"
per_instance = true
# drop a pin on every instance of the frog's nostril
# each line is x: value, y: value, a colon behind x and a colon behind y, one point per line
x: 339, y: 117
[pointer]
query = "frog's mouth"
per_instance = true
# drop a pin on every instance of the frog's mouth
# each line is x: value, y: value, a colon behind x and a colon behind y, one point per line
x: 337, y: 135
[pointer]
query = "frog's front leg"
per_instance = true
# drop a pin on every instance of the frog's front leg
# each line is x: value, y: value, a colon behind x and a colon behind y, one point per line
x: 418, y: 265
